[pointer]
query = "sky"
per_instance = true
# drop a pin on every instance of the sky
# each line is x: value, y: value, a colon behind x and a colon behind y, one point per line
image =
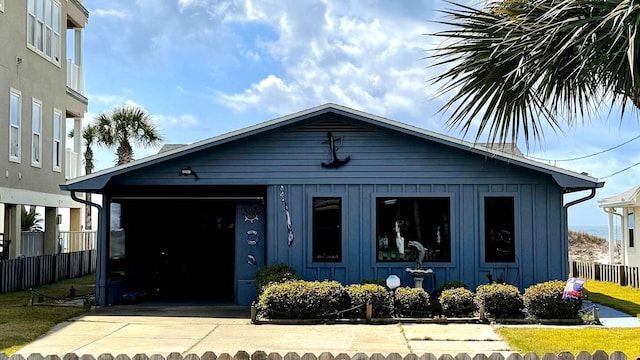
x: 202, y: 68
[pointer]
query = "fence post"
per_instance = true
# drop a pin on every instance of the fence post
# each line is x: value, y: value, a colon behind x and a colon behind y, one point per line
x: 369, y: 312
x: 622, y: 276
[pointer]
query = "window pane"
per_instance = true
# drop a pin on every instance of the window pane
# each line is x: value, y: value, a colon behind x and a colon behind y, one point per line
x: 14, y: 146
x: 401, y: 220
x: 56, y: 18
x: 56, y: 153
x: 56, y: 125
x: 31, y: 29
x: 35, y: 119
x: 48, y: 42
x: 40, y: 35
x: 56, y: 47
x: 31, y: 6
x: 40, y: 10
x: 499, y: 242
x: 15, y: 109
x: 327, y: 229
x: 36, y: 148
x: 47, y: 13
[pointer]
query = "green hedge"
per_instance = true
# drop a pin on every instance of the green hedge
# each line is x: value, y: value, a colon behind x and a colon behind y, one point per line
x: 359, y: 295
x: 276, y: 273
x: 411, y: 301
x: 500, y: 301
x: 544, y: 301
x: 457, y: 302
x: 301, y: 299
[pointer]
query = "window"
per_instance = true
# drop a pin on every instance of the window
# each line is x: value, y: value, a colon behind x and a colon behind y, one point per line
x: 43, y: 28
x: 402, y: 220
x: 36, y: 140
x: 15, y: 116
x: 499, y: 242
x: 1, y: 5
x: 57, y: 131
x: 630, y: 226
x: 327, y: 229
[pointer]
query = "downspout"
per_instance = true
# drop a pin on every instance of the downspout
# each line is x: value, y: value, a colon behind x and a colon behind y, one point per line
x: 612, y: 211
x: 101, y: 263
x: 566, y: 218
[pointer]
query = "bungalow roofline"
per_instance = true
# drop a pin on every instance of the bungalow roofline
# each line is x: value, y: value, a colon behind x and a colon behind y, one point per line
x: 569, y: 180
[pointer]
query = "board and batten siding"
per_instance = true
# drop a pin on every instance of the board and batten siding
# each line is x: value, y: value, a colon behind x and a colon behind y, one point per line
x: 383, y: 163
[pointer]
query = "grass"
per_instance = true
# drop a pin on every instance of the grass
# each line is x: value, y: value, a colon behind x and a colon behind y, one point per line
x: 21, y: 323
x: 556, y: 340
x: 623, y: 298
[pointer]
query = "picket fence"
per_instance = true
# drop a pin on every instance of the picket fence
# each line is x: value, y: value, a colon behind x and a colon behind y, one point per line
x: 27, y: 272
x: 619, y: 274
x: 261, y: 355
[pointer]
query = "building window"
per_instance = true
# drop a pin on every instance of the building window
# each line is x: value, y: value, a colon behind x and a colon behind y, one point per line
x: 499, y: 229
x: 400, y: 221
x: 327, y: 229
x: 1, y: 5
x: 57, y: 135
x: 15, y: 116
x: 36, y: 139
x: 43, y: 28
x: 630, y: 227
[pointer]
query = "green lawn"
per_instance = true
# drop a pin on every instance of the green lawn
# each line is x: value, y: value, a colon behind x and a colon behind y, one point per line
x: 555, y: 340
x: 20, y: 323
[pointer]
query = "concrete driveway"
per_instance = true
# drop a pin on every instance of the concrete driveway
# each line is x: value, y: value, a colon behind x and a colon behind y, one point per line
x: 163, y: 329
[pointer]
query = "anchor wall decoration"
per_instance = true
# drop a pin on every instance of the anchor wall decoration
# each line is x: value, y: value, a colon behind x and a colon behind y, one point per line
x: 335, y: 162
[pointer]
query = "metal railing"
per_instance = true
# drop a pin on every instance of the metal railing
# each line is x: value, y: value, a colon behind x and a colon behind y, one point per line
x: 71, y: 241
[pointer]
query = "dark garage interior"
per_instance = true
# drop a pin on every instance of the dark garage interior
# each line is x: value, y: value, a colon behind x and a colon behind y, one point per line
x: 176, y: 249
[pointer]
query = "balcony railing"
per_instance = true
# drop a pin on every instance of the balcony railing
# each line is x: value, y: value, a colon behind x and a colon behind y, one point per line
x: 71, y: 241
x: 75, y: 77
x: 72, y: 164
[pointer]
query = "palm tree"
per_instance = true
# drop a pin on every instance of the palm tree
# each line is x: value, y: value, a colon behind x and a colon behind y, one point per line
x: 90, y: 137
x: 518, y: 66
x: 125, y: 126
x: 30, y: 220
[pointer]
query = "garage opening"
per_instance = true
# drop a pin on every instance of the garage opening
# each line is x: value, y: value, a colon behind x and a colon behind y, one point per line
x: 176, y: 249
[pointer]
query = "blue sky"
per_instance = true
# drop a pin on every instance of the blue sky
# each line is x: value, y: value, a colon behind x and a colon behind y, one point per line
x: 203, y: 67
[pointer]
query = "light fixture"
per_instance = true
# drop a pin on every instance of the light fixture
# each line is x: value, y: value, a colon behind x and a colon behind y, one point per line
x: 187, y: 171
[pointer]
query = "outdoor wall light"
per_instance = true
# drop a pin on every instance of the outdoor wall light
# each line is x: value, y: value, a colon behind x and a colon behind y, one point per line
x: 188, y: 172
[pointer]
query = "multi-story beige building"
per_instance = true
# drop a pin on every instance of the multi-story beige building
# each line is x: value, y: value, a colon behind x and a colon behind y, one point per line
x: 41, y: 86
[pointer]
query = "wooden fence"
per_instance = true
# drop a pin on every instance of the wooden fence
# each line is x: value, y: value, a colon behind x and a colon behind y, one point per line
x: 28, y: 272
x: 619, y: 274
x: 261, y: 355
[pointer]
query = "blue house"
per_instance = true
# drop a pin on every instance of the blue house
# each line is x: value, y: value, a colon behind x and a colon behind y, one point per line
x: 337, y: 194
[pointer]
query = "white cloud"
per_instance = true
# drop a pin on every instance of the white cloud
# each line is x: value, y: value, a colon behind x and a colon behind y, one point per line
x: 108, y: 13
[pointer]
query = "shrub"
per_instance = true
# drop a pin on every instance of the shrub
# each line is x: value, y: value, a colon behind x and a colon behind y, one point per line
x: 411, y: 301
x: 451, y: 284
x: 276, y: 273
x: 377, y: 295
x: 500, y: 301
x: 299, y: 299
x: 457, y: 302
x: 381, y: 282
x: 544, y: 301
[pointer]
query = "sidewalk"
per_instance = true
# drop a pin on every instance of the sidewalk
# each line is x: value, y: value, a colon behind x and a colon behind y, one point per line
x: 184, y: 329
x: 161, y: 330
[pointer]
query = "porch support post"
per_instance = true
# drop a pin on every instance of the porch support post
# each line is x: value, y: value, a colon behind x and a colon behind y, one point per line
x: 75, y: 216
x: 612, y: 241
x: 13, y: 228
x: 103, y: 252
x: 50, y: 245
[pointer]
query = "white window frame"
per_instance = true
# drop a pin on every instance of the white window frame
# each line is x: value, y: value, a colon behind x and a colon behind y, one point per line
x: 36, y: 136
x: 12, y: 158
x: 43, y: 31
x: 57, y: 140
x: 1, y: 5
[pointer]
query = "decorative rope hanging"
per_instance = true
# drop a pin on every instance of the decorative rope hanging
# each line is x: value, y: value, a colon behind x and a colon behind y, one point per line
x: 291, y: 237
